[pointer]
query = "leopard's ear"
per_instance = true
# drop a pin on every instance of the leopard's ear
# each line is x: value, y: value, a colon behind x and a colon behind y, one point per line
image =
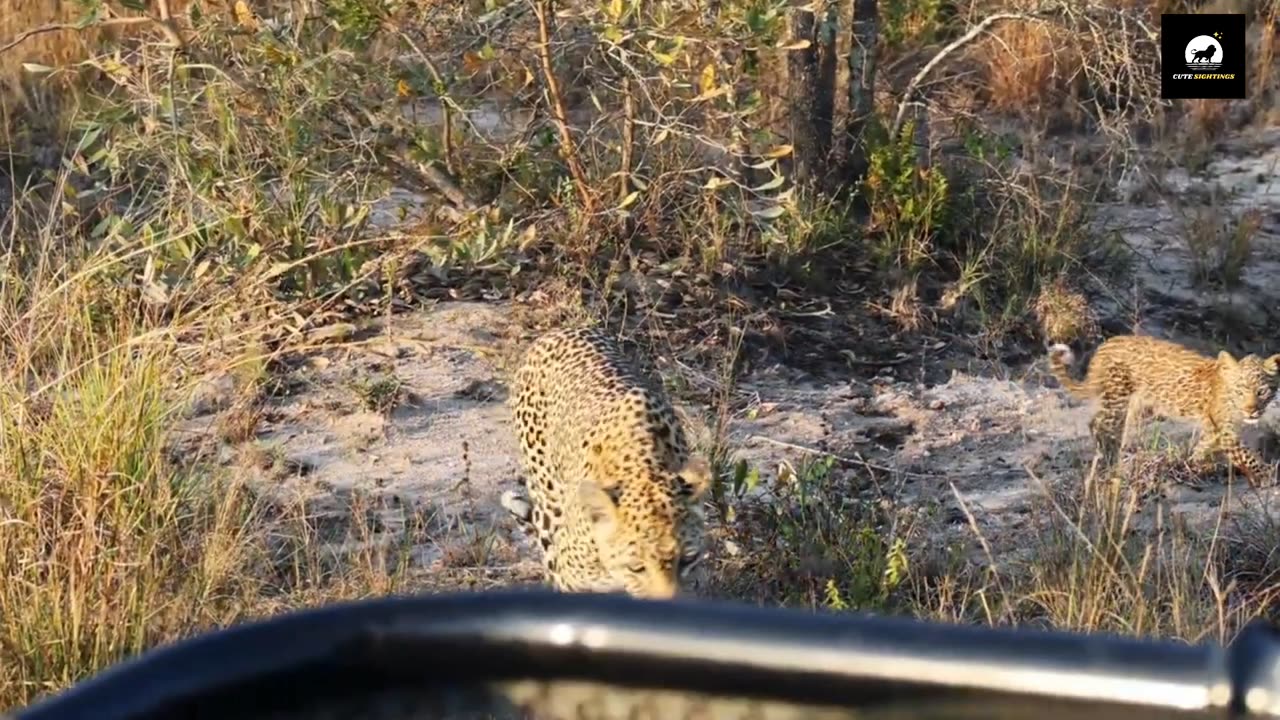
x: 696, y: 477
x: 1226, y: 360
x: 601, y: 503
x: 1272, y: 364
x: 599, y: 489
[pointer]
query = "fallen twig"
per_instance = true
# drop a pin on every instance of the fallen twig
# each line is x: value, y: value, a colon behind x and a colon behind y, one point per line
x: 859, y: 460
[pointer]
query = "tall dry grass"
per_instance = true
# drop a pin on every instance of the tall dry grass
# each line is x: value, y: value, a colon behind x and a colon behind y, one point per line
x: 186, y: 231
x: 1106, y: 556
x: 55, y: 34
x: 108, y: 547
x: 1033, y: 73
x: 1097, y: 570
x: 111, y: 543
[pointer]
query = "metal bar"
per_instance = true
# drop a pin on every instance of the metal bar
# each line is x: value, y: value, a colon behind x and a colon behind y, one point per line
x: 848, y: 661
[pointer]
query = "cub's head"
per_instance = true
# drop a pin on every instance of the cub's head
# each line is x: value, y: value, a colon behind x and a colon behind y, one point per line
x: 648, y: 526
x: 1251, y: 382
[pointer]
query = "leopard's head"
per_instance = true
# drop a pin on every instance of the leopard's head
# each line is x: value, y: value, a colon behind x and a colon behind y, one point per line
x: 648, y: 530
x: 1251, y: 383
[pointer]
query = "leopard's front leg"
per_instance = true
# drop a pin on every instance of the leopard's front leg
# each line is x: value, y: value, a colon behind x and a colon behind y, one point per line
x: 1256, y: 470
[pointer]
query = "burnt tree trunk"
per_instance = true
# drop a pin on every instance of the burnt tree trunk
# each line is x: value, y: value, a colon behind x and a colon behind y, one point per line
x: 862, y: 86
x: 825, y: 104
x: 810, y: 102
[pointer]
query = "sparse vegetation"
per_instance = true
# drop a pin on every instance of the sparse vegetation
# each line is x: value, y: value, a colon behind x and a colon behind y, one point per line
x: 202, y: 205
x: 1220, y: 245
x: 380, y: 393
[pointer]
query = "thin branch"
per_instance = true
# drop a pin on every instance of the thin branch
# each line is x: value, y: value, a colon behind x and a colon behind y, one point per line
x: 446, y: 103
x: 628, y: 138
x: 909, y: 96
x: 446, y: 100
x: 167, y: 25
x: 391, y: 149
x: 55, y: 27
x: 542, y: 9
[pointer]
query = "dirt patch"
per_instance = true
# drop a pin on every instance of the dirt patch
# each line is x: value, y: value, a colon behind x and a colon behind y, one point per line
x: 412, y: 422
x: 410, y: 425
x: 1179, y: 243
x: 970, y: 457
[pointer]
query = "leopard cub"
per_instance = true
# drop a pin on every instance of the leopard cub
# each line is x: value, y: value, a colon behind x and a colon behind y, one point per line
x: 1130, y: 372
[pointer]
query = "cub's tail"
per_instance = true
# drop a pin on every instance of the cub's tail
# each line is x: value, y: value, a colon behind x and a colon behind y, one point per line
x: 1060, y: 361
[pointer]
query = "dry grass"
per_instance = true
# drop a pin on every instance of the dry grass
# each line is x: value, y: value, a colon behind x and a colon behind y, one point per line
x: 1206, y: 120
x: 1106, y: 556
x: 108, y: 547
x: 112, y: 544
x: 1102, y: 556
x: 209, y: 218
x: 60, y: 42
x: 1031, y: 72
x: 1093, y: 572
x: 1220, y: 242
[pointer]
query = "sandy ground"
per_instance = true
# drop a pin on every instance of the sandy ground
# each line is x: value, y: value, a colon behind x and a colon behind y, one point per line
x: 975, y: 453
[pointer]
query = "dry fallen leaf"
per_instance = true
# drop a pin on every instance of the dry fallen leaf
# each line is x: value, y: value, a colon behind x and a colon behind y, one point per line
x: 244, y: 15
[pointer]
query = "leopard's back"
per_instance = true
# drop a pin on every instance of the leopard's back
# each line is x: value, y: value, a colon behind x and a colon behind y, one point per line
x: 586, y: 414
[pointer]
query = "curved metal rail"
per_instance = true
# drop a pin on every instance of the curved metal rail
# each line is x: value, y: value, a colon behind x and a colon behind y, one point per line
x: 518, y: 645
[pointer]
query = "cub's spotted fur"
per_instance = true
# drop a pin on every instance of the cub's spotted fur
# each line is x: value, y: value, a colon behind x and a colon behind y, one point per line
x: 613, y: 497
x: 1222, y: 393
x: 1064, y: 314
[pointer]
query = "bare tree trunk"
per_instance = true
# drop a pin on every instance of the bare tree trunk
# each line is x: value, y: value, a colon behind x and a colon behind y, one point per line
x: 862, y: 85
x: 824, y: 107
x: 922, y: 138
x: 809, y: 147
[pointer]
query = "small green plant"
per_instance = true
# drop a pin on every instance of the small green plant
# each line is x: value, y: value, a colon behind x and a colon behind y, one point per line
x: 908, y: 204
x: 480, y: 243
x: 356, y: 20
x: 828, y: 547
x: 906, y: 22
x: 380, y: 393
x: 814, y: 227
x: 832, y: 599
x: 763, y: 21
x: 985, y: 146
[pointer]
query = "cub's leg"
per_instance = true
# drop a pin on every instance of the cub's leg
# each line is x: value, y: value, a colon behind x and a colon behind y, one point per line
x: 1257, y: 471
x: 1108, y: 424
